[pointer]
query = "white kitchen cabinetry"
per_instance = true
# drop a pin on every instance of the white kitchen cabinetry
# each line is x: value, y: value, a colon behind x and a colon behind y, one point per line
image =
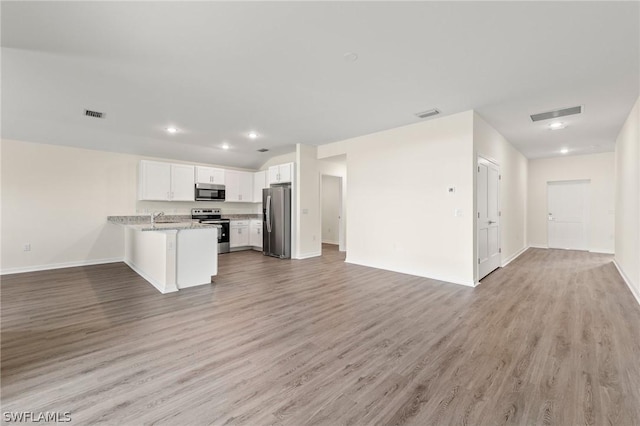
x: 239, y: 186
x: 210, y: 175
x: 182, y: 183
x: 239, y: 233
x: 255, y: 230
x: 260, y: 181
x: 160, y: 181
x: 281, y: 173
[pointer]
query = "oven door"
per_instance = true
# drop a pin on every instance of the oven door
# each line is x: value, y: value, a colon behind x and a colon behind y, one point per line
x: 209, y: 192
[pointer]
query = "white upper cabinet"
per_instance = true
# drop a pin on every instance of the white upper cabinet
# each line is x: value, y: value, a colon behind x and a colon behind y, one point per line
x: 239, y: 186
x: 182, y: 182
x: 210, y: 175
x: 154, y: 181
x: 282, y: 173
x: 260, y: 181
x: 159, y: 181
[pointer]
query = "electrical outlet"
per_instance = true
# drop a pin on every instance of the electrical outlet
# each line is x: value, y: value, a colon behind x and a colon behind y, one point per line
x: 27, y: 247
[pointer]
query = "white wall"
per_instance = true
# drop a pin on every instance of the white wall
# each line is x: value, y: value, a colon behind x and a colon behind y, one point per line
x: 331, y: 200
x: 309, y: 232
x: 280, y: 159
x: 627, y: 218
x: 600, y: 170
x: 397, y: 190
x: 491, y: 145
x: 57, y: 199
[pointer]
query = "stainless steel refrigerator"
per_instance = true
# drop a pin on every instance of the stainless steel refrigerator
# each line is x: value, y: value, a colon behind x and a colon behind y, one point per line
x: 276, y: 226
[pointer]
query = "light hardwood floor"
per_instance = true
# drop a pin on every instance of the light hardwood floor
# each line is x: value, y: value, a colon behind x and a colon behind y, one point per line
x: 553, y: 338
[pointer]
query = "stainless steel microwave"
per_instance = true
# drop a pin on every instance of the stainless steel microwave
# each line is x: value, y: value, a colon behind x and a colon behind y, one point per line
x: 209, y: 192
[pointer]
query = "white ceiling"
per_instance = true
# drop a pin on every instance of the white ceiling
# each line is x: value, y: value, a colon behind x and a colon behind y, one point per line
x: 219, y: 70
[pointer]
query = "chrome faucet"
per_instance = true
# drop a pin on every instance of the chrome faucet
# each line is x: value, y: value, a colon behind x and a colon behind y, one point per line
x: 156, y: 215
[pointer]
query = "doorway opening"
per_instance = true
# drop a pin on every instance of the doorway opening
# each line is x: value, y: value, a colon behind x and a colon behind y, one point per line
x: 568, y: 214
x: 332, y: 213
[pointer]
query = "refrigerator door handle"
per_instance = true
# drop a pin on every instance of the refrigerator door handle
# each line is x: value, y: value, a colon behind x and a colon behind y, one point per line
x: 268, y: 213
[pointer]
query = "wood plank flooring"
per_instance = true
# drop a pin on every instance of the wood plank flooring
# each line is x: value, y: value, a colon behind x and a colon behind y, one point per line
x: 553, y: 339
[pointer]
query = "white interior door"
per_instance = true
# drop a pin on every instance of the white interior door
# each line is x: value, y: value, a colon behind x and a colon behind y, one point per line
x: 488, y: 182
x: 568, y: 214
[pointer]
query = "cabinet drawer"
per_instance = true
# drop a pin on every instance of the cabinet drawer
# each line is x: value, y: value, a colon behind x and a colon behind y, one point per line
x: 239, y: 223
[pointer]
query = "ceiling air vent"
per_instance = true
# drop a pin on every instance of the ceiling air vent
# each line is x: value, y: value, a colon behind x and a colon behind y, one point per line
x: 429, y: 113
x: 94, y: 114
x: 557, y: 113
x: 263, y: 150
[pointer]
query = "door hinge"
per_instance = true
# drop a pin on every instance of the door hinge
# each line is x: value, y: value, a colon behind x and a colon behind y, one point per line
x: 478, y: 169
x: 478, y: 261
x: 499, y: 213
x: 499, y: 250
x: 478, y: 215
x: 499, y: 177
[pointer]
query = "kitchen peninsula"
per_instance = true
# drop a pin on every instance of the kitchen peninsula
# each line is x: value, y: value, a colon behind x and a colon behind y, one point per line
x: 170, y: 255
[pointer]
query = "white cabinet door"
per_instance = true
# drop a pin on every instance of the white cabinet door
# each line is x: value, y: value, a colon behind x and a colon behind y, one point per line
x: 246, y: 187
x: 282, y: 173
x: 210, y: 175
x: 182, y: 182
x: 255, y: 239
x: 239, y: 186
x: 154, y: 181
x: 274, y: 173
x: 232, y: 186
x: 239, y: 234
x: 260, y: 181
x: 286, y: 172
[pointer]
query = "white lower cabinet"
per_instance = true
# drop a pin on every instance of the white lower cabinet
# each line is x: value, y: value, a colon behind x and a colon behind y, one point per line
x: 239, y: 233
x: 255, y: 231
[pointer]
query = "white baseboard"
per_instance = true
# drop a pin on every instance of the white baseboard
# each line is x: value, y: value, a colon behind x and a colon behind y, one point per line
x: 515, y: 256
x: 335, y: 243
x: 160, y: 287
x: 627, y: 281
x: 49, y: 266
x: 308, y: 255
x: 538, y: 246
x: 602, y: 251
x: 414, y: 273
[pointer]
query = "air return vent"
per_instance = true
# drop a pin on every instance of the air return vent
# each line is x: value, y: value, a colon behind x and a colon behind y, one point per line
x: 429, y: 113
x: 263, y: 150
x: 557, y: 113
x: 94, y: 114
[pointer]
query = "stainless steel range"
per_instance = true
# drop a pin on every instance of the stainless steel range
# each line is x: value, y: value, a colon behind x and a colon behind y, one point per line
x: 214, y: 216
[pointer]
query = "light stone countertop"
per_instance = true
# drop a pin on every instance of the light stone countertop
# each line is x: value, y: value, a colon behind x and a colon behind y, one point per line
x: 139, y: 223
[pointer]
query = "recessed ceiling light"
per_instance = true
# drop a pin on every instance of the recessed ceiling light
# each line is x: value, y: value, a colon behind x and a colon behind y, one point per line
x: 564, y: 150
x: 225, y: 146
x: 350, y: 56
x: 557, y: 125
x: 172, y: 130
x: 252, y: 135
